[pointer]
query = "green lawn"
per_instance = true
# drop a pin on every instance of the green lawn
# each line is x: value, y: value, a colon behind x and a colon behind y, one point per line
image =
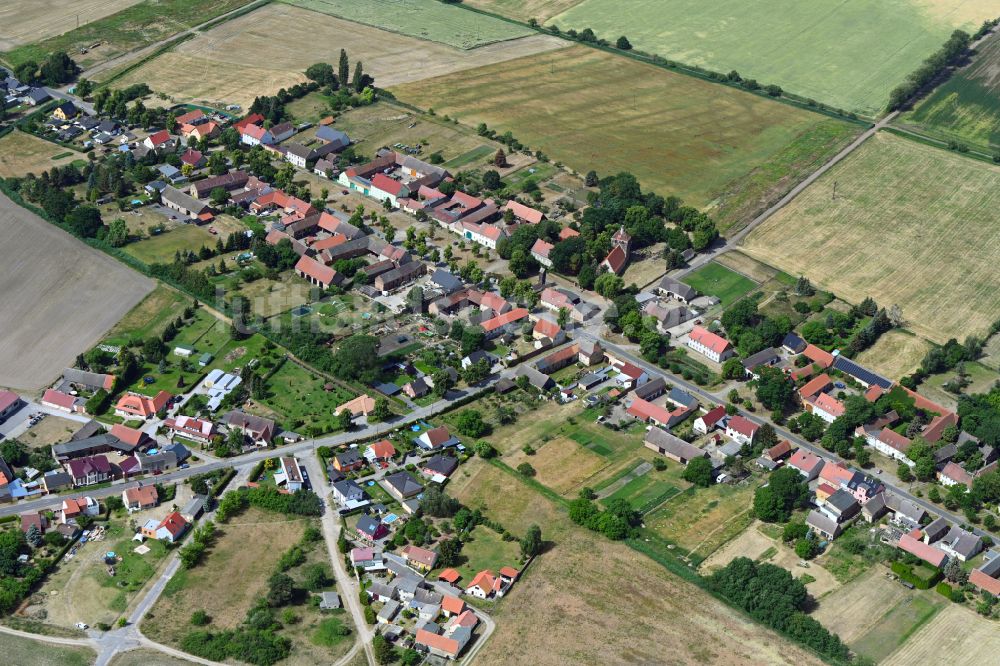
x: 840, y: 52
x: 892, y: 629
x: 427, y: 19
x: 17, y: 650
x: 150, y: 316
x: 477, y: 155
x: 716, y: 280
x: 298, y: 396
x: 644, y: 492
x: 487, y: 550
x: 161, y: 248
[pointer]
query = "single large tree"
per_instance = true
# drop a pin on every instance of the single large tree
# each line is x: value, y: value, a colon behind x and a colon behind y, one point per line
x: 344, y: 71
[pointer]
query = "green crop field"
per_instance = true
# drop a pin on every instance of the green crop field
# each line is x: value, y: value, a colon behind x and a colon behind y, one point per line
x: 131, y: 28
x: 716, y: 280
x: 427, y: 19
x: 645, y: 493
x: 847, y: 53
x: 679, y: 135
x: 966, y: 107
x: 910, y: 224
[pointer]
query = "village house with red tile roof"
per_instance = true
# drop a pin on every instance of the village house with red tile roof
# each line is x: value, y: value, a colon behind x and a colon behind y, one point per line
x: 713, y: 346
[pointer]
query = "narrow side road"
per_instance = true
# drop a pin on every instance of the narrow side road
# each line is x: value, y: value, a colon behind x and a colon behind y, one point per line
x: 346, y: 583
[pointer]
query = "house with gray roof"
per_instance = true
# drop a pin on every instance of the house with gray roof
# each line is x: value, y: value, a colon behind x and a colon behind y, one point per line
x: 330, y: 136
x: 183, y: 203
x: 823, y: 525
x: 402, y: 485
x: 675, y: 289
x: 961, y: 544
x: 682, y: 398
x: 673, y: 447
x: 765, y: 357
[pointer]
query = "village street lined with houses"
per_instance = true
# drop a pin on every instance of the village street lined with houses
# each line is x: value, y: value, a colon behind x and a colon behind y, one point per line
x: 330, y: 366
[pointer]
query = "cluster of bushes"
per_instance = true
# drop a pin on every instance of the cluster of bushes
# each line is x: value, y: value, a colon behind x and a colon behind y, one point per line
x: 949, y: 356
x: 194, y: 551
x: 618, y: 521
x: 299, y: 503
x: 773, y: 597
x: 906, y: 572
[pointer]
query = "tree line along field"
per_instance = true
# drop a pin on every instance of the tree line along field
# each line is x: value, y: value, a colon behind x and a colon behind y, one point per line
x: 966, y: 107
x: 678, y: 134
x: 910, y: 224
x: 524, y: 10
x: 846, y: 53
x: 134, y: 26
x: 427, y: 19
x: 240, y: 59
x: 29, y: 20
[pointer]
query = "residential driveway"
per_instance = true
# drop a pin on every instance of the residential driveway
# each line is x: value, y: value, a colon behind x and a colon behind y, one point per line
x: 19, y: 421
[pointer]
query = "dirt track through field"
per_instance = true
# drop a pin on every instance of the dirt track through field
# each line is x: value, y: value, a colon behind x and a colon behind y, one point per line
x: 57, y: 296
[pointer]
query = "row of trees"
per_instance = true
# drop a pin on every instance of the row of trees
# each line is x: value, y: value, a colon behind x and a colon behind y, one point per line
x: 952, y: 53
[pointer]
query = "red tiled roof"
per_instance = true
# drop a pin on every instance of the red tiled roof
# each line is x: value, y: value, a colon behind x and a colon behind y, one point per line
x: 815, y: 385
x: 503, y: 319
x: 873, y: 393
x: 703, y: 336
x: 805, y: 461
x: 450, y: 576
x: 159, y: 138
x: 526, y: 213
x: 485, y: 580
x: 420, y: 555
x: 509, y: 572
x: 829, y: 404
x: 173, y: 523
x: 190, y: 117
x: 191, y: 156
x: 141, y: 405
x: 836, y: 475
x: 128, y: 435
x: 779, y: 450
x: 437, y: 642
x: 555, y: 297
x: 541, y: 248
x: 956, y: 473
x: 316, y: 270
x: 616, y: 259
x: 742, y: 425
x: 383, y: 449
x: 450, y: 603
x: 58, y: 398
x: 646, y: 411
x: 713, y: 416
x: 894, y: 439
x: 252, y: 119
x: 438, y: 436
x: 925, y: 552
x: 826, y: 488
x: 567, y: 232
x: 984, y: 581
x: 143, y: 495
x: 255, y: 131
x: 386, y: 184
x: 818, y: 356
x: 549, y: 329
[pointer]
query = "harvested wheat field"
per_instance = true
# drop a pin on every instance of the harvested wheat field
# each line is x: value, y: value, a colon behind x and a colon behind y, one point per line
x: 22, y: 153
x: 57, y: 295
x: 679, y: 135
x: 525, y: 10
x: 956, y: 636
x: 850, y: 611
x: 242, y: 59
x: 910, y: 224
x: 591, y: 601
x: 26, y: 21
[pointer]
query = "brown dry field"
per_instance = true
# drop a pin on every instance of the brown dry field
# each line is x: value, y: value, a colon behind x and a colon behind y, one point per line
x: 22, y: 153
x: 591, y: 601
x: 561, y: 463
x: 850, y: 611
x: 57, y: 295
x: 27, y: 21
x: 245, y: 57
x: 956, y: 636
x: 251, y: 544
x: 911, y: 224
x: 894, y: 354
x: 752, y: 543
x: 525, y: 10
x: 50, y: 430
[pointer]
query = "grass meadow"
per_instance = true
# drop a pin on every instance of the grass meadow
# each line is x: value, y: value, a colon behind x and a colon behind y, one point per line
x: 848, y: 54
x: 910, y: 224
x: 426, y: 19
x: 679, y: 135
x: 716, y: 280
